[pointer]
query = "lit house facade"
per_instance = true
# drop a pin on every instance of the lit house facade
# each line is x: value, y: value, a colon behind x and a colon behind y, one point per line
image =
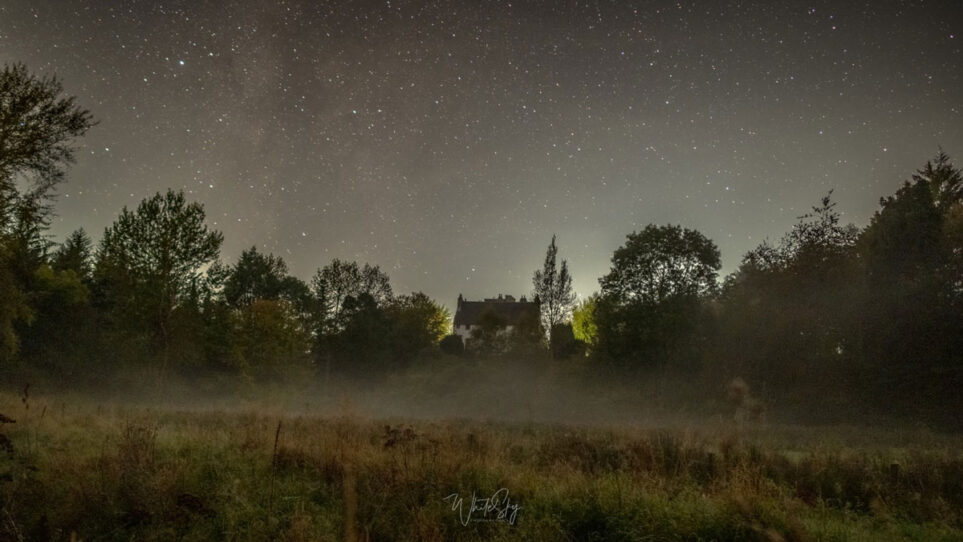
x: 468, y: 314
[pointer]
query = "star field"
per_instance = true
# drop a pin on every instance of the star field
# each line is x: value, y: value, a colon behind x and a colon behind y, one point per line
x: 448, y: 141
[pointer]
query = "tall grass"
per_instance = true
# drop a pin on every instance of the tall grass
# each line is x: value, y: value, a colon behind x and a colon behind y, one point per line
x: 87, y: 471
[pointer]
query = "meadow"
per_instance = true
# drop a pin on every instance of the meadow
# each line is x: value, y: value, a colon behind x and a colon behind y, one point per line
x: 75, y: 468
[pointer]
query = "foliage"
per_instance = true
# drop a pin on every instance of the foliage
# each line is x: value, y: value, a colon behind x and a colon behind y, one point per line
x: 37, y: 132
x: 583, y: 320
x: 152, y: 258
x: 912, y: 253
x: 553, y: 289
x: 340, y: 280
x: 417, y: 322
x: 563, y: 342
x: 14, y: 308
x: 650, y: 311
x: 843, y: 314
x: 270, y: 338
x: 363, y: 347
x: 661, y: 262
x: 256, y: 276
x: 75, y: 254
x: 527, y: 336
x: 452, y: 345
x: 488, y: 337
x: 793, y: 305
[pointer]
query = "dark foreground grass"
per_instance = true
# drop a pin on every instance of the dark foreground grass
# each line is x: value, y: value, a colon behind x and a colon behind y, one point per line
x: 82, y: 471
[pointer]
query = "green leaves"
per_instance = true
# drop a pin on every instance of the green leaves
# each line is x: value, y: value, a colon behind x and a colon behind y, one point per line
x: 662, y: 262
x: 258, y: 276
x: 340, y: 280
x: 150, y: 259
x: 37, y: 129
x: 553, y: 288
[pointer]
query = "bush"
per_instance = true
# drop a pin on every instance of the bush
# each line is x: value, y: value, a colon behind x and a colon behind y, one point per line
x: 453, y: 345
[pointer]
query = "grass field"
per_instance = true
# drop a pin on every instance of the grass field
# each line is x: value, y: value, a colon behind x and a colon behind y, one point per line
x: 82, y: 470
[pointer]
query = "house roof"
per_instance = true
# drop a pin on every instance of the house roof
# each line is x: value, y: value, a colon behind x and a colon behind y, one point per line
x: 469, y: 312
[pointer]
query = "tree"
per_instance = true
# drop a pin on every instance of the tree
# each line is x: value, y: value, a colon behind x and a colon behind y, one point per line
x: 256, y: 276
x: 336, y: 287
x: 75, y: 255
x: 815, y: 240
x: 27, y: 239
x: 583, y: 320
x: 563, y: 342
x: 911, y: 254
x: 362, y: 348
x: 661, y: 262
x: 151, y: 258
x: 553, y: 288
x: 37, y: 132
x: 417, y: 322
x: 792, y: 307
x: 14, y: 308
x: 649, y: 310
x: 269, y: 337
x: 338, y: 281
x: 527, y: 337
x: 61, y: 335
x: 452, y: 345
x: 906, y: 239
x: 944, y: 181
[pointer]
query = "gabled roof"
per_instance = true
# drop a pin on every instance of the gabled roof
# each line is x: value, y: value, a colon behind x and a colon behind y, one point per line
x: 469, y: 312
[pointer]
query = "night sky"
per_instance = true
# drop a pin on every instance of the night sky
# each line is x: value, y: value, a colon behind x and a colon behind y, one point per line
x: 447, y: 141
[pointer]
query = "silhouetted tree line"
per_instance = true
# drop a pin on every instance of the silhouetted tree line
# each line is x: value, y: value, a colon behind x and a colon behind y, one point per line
x: 153, y: 293
x: 831, y: 320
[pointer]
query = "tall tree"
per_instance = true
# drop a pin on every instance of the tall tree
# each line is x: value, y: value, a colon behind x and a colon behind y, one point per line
x: 340, y: 280
x: 154, y: 255
x: 649, y: 310
x: 912, y: 255
x: 362, y: 348
x: 417, y: 322
x: 791, y: 306
x: 38, y: 128
x: 553, y: 288
x: 259, y: 276
x: 661, y: 262
x: 269, y: 338
x: 37, y: 132
x: 75, y: 255
x: 336, y: 287
x: 62, y: 336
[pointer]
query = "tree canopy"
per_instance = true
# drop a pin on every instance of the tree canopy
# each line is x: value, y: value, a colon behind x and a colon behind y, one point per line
x: 38, y: 129
x: 259, y: 276
x: 153, y: 256
x: 660, y: 262
x: 553, y: 289
x: 340, y: 280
